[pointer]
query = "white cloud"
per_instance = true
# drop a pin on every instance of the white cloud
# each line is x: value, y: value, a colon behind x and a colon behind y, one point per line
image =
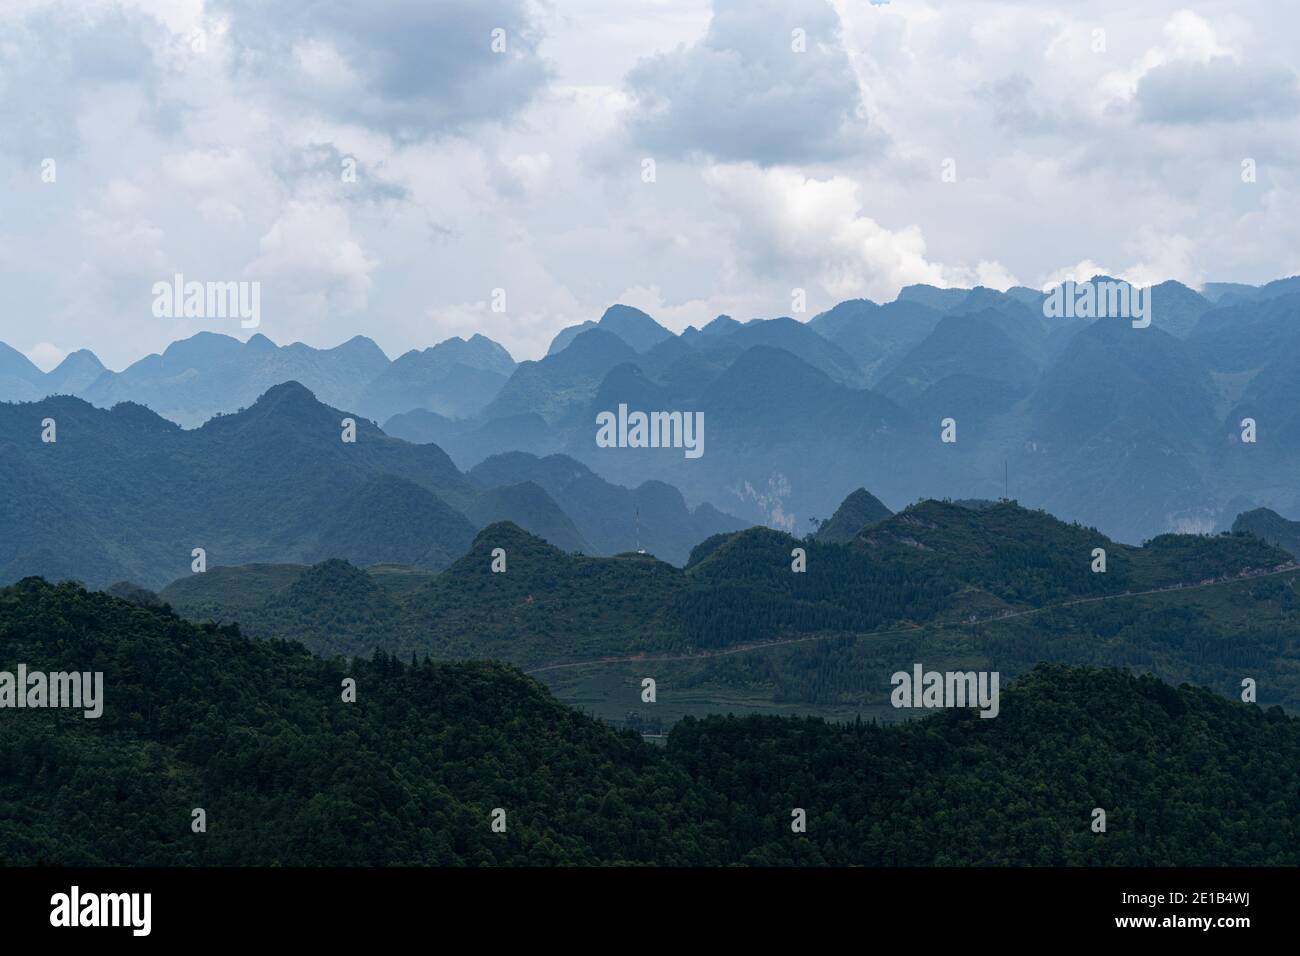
x: 1160, y: 257
x: 310, y: 268
x: 799, y: 230
x: 768, y: 83
x: 226, y: 163
x: 1197, y: 75
x: 46, y: 356
x: 1079, y: 272
x: 994, y: 275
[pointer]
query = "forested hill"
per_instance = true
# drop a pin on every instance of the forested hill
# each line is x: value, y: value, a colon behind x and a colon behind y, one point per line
x: 105, y: 495
x: 933, y: 561
x: 256, y: 734
x: 1271, y: 527
x: 940, y: 559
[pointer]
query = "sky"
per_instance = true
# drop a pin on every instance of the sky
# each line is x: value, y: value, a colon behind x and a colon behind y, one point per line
x: 412, y: 170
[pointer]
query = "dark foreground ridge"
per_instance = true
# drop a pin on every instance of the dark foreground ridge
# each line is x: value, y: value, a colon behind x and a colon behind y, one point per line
x: 257, y: 734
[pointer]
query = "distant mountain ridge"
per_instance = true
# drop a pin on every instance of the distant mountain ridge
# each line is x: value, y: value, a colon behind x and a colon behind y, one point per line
x: 1056, y: 410
x: 124, y: 494
x: 653, y: 516
x: 209, y: 374
x: 1060, y: 412
x: 633, y: 326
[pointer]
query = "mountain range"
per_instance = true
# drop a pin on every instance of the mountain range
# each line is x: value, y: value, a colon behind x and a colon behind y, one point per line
x: 209, y: 374
x: 126, y: 494
x: 1137, y: 431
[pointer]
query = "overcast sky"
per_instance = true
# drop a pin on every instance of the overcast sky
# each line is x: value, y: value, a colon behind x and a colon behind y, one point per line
x: 210, y: 138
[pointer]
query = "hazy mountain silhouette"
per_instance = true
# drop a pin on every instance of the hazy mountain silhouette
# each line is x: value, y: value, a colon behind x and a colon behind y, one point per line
x: 633, y: 326
x: 209, y: 374
x: 456, y: 378
x: 797, y: 338
x: 528, y: 505
x: 126, y: 494
x: 1133, y: 429
x: 206, y: 374
x: 969, y: 345
x: 873, y: 335
x: 653, y: 515
x: 558, y: 384
x: 395, y: 521
x: 855, y: 512
x: 20, y: 380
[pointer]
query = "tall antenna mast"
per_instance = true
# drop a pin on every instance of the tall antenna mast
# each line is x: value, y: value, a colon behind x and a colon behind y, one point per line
x: 1006, y: 481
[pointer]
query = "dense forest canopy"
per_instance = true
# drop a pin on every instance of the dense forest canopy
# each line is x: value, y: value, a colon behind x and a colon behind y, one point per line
x: 258, y: 735
x: 939, y: 581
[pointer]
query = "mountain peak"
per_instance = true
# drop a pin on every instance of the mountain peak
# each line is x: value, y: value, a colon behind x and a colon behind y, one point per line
x: 596, y: 342
x: 478, y: 351
x: 291, y: 402
x: 933, y: 296
x: 362, y: 344
x: 77, y: 371
x: 618, y: 311
x: 507, y: 535
x: 287, y: 391
x: 80, y: 358
x: 858, y: 511
x: 637, y: 330
x: 634, y: 327
x: 18, y: 365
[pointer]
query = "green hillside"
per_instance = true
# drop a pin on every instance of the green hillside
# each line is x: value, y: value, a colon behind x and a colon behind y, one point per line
x: 856, y: 512
x: 391, y: 519
x: 998, y: 586
x: 124, y: 495
x: 1268, y: 525
x: 256, y: 734
x: 547, y: 605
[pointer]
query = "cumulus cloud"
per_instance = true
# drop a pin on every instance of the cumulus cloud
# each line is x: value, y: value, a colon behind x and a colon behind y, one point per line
x: 1081, y: 271
x: 410, y: 67
x: 1012, y: 100
x: 1160, y: 257
x: 815, y: 230
x: 208, y: 136
x: 60, y: 58
x: 310, y: 262
x: 1218, y: 90
x: 994, y: 275
x: 746, y: 92
x: 46, y: 356
x: 1197, y: 75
